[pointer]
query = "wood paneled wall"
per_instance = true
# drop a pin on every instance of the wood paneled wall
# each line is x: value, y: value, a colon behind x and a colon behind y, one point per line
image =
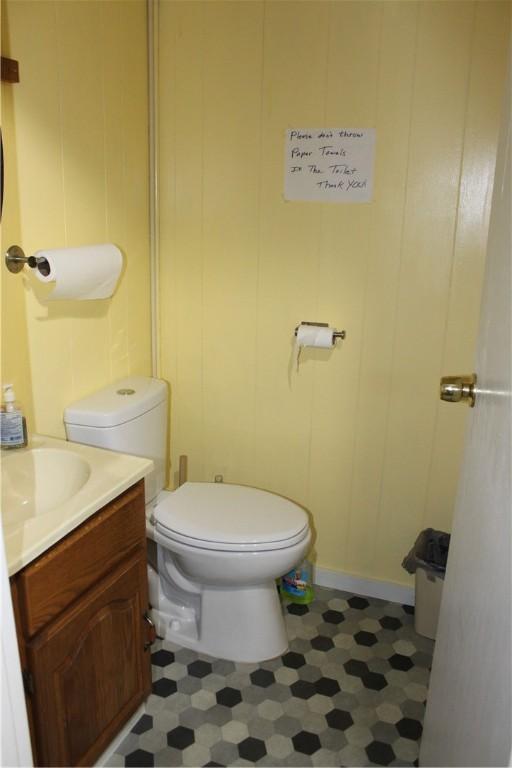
x: 75, y: 134
x: 359, y: 435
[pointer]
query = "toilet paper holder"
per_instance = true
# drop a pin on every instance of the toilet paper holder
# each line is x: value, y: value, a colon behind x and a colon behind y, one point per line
x: 15, y: 260
x: 335, y: 335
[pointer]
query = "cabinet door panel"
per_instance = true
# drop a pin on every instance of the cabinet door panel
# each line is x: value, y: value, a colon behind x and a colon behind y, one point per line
x: 90, y: 669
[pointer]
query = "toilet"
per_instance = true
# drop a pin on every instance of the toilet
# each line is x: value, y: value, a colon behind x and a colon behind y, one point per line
x: 219, y: 546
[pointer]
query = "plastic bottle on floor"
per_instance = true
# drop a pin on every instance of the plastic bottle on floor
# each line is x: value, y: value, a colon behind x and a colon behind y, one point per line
x: 297, y: 585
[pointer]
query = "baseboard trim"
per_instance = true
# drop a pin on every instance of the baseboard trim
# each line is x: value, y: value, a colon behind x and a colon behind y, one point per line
x: 384, y: 590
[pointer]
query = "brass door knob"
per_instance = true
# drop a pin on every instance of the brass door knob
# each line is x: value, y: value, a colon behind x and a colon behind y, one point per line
x: 457, y: 388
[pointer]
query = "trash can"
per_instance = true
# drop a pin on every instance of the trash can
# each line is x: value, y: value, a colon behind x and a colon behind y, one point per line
x: 427, y: 560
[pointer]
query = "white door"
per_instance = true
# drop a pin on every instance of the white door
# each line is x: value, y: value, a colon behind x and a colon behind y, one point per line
x: 14, y: 733
x: 469, y: 713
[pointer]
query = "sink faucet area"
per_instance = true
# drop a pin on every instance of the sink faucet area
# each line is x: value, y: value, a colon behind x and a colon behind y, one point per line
x: 52, y: 486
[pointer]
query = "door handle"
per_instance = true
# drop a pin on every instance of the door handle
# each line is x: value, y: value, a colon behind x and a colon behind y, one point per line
x: 457, y: 388
x: 152, y: 630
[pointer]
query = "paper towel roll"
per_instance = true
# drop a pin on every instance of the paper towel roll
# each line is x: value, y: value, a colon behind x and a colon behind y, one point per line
x: 319, y: 336
x: 86, y: 272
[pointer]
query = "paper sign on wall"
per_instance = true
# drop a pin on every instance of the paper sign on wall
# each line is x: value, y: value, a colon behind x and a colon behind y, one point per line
x: 329, y: 164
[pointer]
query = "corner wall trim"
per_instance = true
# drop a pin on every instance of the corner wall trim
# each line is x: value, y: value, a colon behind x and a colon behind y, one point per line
x: 384, y: 590
x: 154, y: 229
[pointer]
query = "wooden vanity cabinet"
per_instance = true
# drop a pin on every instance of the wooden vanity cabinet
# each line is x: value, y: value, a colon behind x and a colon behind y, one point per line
x: 84, y: 639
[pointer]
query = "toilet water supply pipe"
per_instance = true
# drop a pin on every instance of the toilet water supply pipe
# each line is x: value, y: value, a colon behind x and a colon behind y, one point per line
x: 154, y: 232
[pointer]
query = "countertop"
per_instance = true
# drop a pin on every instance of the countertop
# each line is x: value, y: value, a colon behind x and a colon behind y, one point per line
x: 111, y: 473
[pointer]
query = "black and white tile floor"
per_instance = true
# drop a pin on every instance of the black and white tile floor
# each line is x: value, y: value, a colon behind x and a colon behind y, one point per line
x: 350, y: 691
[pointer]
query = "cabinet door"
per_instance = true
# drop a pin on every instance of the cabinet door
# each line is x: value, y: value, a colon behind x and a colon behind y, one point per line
x: 90, y: 668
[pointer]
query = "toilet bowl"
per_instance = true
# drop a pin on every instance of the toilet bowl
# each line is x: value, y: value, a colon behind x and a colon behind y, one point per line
x: 221, y: 547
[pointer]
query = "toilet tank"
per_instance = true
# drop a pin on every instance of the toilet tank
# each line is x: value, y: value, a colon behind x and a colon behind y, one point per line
x: 129, y: 416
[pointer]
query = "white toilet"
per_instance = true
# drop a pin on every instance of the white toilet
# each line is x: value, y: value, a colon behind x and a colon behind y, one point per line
x: 220, y: 547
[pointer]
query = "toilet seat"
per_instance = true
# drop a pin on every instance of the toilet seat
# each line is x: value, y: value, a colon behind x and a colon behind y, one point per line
x: 225, y: 517
x: 167, y: 535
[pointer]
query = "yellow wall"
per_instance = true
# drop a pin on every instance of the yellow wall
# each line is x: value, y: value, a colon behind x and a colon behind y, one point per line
x: 359, y: 436
x: 75, y: 138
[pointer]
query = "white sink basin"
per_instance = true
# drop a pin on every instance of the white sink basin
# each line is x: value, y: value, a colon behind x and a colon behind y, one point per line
x: 51, y: 487
x: 37, y: 480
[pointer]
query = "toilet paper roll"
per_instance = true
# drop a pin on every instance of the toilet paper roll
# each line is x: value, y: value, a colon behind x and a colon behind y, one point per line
x: 319, y: 336
x: 86, y: 272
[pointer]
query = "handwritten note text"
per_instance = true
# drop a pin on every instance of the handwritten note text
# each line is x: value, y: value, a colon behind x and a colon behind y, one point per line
x: 329, y: 164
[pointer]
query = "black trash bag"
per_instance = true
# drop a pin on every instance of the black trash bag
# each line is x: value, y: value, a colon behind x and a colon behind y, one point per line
x: 430, y: 551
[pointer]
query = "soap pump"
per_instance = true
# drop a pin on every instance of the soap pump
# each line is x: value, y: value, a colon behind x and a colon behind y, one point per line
x: 13, y: 425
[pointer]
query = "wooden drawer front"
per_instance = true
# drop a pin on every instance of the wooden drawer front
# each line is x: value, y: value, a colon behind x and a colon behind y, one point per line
x: 73, y: 565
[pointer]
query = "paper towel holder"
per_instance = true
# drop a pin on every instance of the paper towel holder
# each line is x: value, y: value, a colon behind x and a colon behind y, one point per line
x: 335, y: 335
x: 15, y: 260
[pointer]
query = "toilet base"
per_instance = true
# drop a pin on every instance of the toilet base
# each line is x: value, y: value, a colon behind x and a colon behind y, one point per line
x: 245, y: 624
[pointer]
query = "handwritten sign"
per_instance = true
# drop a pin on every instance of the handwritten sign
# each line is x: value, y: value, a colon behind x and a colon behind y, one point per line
x: 329, y: 164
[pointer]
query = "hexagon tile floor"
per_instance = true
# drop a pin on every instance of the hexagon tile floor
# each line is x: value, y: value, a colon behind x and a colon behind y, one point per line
x: 350, y: 691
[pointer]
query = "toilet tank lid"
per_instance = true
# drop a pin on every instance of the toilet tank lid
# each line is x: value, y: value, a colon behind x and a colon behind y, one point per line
x: 117, y: 403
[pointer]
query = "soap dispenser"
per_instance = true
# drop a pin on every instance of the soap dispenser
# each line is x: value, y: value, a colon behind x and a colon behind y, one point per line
x: 13, y: 426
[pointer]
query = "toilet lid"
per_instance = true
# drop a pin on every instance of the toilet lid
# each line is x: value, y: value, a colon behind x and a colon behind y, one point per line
x: 236, y: 516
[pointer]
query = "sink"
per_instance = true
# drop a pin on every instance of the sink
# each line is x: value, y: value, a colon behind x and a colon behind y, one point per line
x: 37, y: 480
x: 53, y: 486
